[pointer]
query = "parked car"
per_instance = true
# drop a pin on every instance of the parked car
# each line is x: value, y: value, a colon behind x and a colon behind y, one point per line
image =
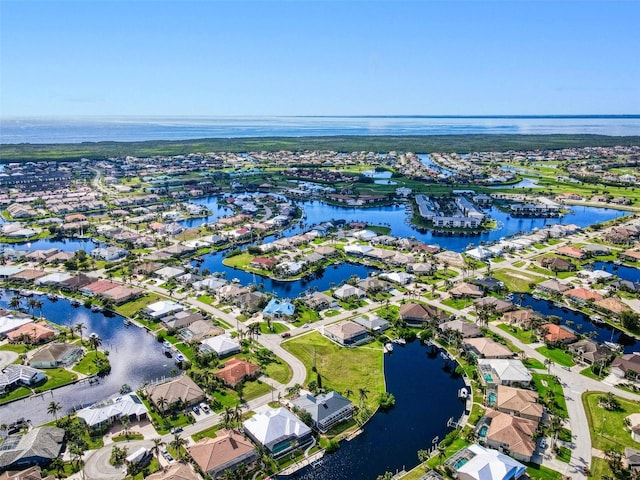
x: 167, y: 456
x: 196, y: 409
x: 285, y: 335
x: 205, y: 408
x: 543, y: 443
x: 175, y: 430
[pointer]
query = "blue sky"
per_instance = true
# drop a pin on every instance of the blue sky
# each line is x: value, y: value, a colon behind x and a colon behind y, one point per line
x: 146, y: 57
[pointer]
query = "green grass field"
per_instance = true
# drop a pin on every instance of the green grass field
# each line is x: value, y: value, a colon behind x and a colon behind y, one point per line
x: 341, y: 369
x: 607, y: 428
x: 559, y: 356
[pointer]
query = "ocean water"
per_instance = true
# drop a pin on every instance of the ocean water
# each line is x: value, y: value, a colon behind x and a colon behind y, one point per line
x: 129, y: 129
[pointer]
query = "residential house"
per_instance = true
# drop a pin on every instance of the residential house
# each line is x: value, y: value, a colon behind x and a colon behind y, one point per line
x: 556, y: 264
x: 108, y: 411
x: 626, y: 365
x: 374, y: 324
x: 553, y: 333
x: 163, y: 308
x: 572, y: 252
x: 32, y: 333
x: 465, y: 290
x: 401, y: 278
x: 466, y: 329
x: 497, y: 304
x: 31, y: 473
x: 418, y: 314
x: 226, y: 451
x: 110, y: 254
x: 612, y: 306
x: 479, y: 463
x: 512, y: 433
x: 200, y: 329
x: 319, y: 301
x: 237, y: 370
x: 373, y: 285
x: 590, y: 352
x: 175, y: 471
x: 346, y: 333
x: 347, y: 291
x: 56, y: 355
x: 521, y: 318
x: 279, y: 308
x: 519, y: 402
x: 263, y: 263
x: 39, y: 446
x: 582, y: 295
x: 553, y: 286
x: 483, y: 347
x: 180, y: 390
x: 223, y: 345
x: 504, y: 372
x: 327, y: 410
x: 278, y: 430
x: 182, y: 319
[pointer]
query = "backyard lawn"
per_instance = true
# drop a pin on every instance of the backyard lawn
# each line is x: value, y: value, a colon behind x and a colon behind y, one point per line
x: 607, y: 428
x: 525, y: 336
x: 341, y: 369
x: 129, y: 309
x: 543, y: 383
x: 517, y: 281
x: 278, y: 371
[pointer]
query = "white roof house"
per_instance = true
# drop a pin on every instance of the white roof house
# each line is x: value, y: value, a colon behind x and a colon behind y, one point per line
x: 508, y: 371
x: 347, y: 291
x: 398, y: 277
x: 222, y: 344
x: 359, y: 250
x: 10, y: 322
x: 169, y: 272
x: 276, y: 428
x: 112, y: 409
x: 162, y: 308
x: 53, y: 278
x: 487, y: 464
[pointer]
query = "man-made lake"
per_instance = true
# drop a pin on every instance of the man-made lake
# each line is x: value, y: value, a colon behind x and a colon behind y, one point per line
x: 621, y: 271
x: 135, y: 355
x: 580, y: 323
x: 426, y: 398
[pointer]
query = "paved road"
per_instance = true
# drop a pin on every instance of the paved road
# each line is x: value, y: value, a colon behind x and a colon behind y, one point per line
x: 7, y: 357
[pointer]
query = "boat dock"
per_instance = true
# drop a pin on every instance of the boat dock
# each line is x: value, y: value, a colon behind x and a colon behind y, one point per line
x: 313, y: 460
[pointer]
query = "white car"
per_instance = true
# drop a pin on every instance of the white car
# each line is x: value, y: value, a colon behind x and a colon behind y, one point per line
x: 543, y: 443
x: 205, y: 408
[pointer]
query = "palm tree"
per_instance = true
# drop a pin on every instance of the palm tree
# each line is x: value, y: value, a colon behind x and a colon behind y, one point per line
x: 179, y: 443
x: 95, y: 341
x: 158, y: 443
x: 57, y: 464
x: 54, y: 408
x: 15, y: 302
x: 162, y: 403
x: 227, y: 417
x: 362, y: 393
x: 237, y: 413
x: 79, y: 328
x: 38, y: 305
x: 31, y: 303
x: 348, y: 392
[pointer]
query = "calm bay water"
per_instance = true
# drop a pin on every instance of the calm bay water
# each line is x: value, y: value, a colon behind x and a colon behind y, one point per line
x: 129, y: 129
x: 426, y: 397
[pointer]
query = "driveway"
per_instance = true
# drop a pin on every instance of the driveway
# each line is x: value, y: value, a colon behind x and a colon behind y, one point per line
x: 7, y: 358
x: 97, y: 466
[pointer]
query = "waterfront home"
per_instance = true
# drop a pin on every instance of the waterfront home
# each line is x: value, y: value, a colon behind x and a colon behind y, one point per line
x: 380, y: 254
x: 497, y: 304
x: 572, y: 252
x: 513, y: 433
x: 519, y: 402
x: 77, y: 282
x: 626, y: 366
x: 373, y: 285
x: 237, y: 370
x: 346, y: 333
x: 251, y: 301
x: 504, y: 372
x: 279, y: 308
x: 15, y: 375
x: 28, y: 275
x: 418, y: 314
x: 630, y: 255
x: 582, y: 295
x: 225, y: 452
x: 223, y: 345
x: 556, y: 264
x: 159, y: 310
x: 39, y: 446
x: 6, y: 271
x: 96, y: 287
x: 56, y: 355
x: 465, y: 290
x: 175, y: 471
x: 347, y: 291
x: 553, y: 333
x: 278, y: 430
x: 319, y: 301
x: 263, y: 263
x: 326, y: 409
x: 421, y: 268
x: 122, y: 294
x: 210, y: 283
x: 612, y: 306
x: 110, y: 254
x: 228, y: 292
x: 479, y: 463
x: 290, y: 267
x: 10, y: 320
x: 521, y: 318
x: 200, y: 329
x: 466, y: 329
x: 401, y: 278
x: 32, y: 333
x: 182, y: 319
x: 590, y: 352
x: 326, y: 251
x: 167, y: 273
x: 181, y: 390
x: 54, y: 279
x: 483, y: 347
x: 374, y: 324
x: 106, y: 412
x: 593, y: 250
x: 357, y: 250
x: 553, y: 286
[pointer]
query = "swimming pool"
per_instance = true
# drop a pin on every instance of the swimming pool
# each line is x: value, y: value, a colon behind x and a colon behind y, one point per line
x: 483, y: 431
x: 488, y: 377
x: 492, y: 398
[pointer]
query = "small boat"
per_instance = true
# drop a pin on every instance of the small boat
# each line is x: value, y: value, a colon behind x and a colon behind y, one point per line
x: 536, y: 296
x: 316, y: 464
x: 25, y: 293
x: 613, y: 346
x: 463, y: 392
x: 127, y: 322
x: 597, y: 319
x: 96, y: 308
x: 180, y: 358
x: 399, y: 341
x: 508, y: 296
x: 75, y: 302
x: 53, y: 297
x: 166, y: 344
x: 388, y: 348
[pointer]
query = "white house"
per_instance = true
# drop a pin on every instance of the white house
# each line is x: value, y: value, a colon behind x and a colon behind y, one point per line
x: 277, y: 429
x: 223, y: 345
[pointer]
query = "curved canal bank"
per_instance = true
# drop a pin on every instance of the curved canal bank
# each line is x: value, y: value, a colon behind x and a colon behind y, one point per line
x: 135, y: 356
x: 425, y: 388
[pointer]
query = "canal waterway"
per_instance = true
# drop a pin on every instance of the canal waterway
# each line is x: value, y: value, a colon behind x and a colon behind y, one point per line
x: 580, y: 323
x: 426, y: 398
x: 135, y: 356
x: 621, y: 271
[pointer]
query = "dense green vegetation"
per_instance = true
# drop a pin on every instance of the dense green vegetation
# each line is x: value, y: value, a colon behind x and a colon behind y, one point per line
x: 345, y: 143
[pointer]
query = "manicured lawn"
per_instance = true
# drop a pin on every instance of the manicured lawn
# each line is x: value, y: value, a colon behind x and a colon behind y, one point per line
x: 129, y: 309
x: 523, y: 335
x: 275, y: 328
x: 457, y: 303
x: 239, y: 261
x: 87, y: 366
x: 538, y: 472
x: 599, y: 468
x: 516, y: 281
x: 127, y: 438
x: 331, y: 313
x: 564, y: 455
x: 452, y: 448
x: 255, y: 389
x: 186, y: 349
x: 587, y: 372
x: 206, y: 299
x: 164, y: 424
x: 19, y: 392
x: 278, y: 371
x: 544, y: 382
x: 17, y: 348
x: 607, y: 427
x: 559, y: 356
x: 57, y: 377
x: 341, y: 369
x: 534, y: 363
